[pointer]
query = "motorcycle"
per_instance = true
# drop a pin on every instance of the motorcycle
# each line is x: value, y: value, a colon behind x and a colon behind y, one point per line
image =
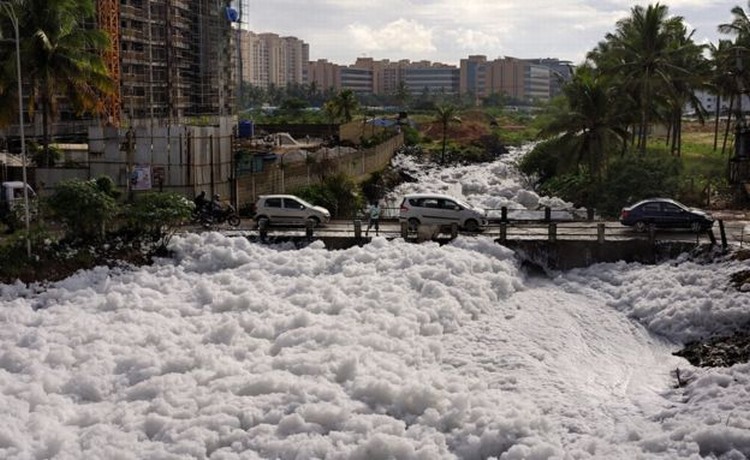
x: 226, y: 214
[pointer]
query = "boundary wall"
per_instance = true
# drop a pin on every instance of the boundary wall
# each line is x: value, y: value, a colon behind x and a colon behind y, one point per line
x: 285, y: 178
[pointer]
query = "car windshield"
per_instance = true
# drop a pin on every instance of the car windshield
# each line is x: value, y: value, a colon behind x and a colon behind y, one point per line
x: 307, y: 205
x: 464, y: 204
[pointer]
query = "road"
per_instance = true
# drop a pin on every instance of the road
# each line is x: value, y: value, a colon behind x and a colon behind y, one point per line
x: 737, y: 231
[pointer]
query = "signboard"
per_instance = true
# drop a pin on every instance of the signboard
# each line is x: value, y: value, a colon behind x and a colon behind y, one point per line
x: 140, y: 178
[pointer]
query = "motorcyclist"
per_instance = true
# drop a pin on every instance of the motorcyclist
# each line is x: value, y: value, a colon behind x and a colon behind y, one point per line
x: 216, y: 207
x: 200, y: 202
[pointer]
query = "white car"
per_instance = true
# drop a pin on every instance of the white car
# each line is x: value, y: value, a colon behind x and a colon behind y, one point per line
x: 289, y: 210
x: 436, y: 209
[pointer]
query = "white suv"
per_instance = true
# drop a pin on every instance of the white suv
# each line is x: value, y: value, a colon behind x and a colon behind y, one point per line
x: 289, y: 210
x: 435, y: 209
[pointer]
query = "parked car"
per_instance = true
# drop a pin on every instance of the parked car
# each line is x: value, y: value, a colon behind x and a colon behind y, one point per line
x: 665, y: 213
x: 289, y: 210
x: 437, y: 209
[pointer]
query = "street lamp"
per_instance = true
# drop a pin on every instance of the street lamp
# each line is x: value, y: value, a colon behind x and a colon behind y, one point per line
x: 10, y: 11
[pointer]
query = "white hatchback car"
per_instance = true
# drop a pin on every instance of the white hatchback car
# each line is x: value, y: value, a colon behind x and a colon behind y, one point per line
x: 289, y: 210
x: 436, y: 209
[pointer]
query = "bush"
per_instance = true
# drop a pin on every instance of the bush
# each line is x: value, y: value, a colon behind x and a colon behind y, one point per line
x: 633, y: 178
x: 83, y: 208
x: 542, y: 161
x: 338, y: 193
x: 155, y: 217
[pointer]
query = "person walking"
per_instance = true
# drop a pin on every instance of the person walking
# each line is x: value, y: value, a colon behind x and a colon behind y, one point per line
x: 374, y: 215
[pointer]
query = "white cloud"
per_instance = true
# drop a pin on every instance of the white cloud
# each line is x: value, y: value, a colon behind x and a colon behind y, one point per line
x: 399, y: 35
x: 474, y: 40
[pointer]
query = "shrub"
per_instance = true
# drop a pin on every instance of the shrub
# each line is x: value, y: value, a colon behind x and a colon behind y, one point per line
x: 83, y: 208
x: 155, y: 217
x: 338, y: 193
x: 542, y: 161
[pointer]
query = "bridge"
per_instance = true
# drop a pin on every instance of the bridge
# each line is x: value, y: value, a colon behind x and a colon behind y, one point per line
x: 546, y: 242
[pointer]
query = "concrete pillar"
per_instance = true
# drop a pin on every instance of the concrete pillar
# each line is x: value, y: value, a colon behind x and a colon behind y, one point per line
x: 404, y: 229
x: 600, y: 233
x: 652, y: 233
x: 503, y: 232
x: 547, y: 214
x: 309, y: 229
x: 552, y: 232
x: 357, y: 228
x: 504, y: 214
x: 454, y: 230
x: 263, y: 229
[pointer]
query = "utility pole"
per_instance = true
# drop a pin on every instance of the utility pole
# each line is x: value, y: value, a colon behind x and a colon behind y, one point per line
x: 10, y: 11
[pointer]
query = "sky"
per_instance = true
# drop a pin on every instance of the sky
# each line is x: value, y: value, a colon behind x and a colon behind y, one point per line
x: 448, y: 30
x: 393, y: 350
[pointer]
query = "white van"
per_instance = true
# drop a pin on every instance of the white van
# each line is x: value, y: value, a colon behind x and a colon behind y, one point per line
x: 436, y: 209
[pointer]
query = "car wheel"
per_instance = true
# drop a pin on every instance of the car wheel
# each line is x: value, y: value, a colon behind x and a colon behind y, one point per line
x: 640, y: 226
x: 234, y: 221
x: 413, y: 224
x: 263, y: 222
x: 314, y: 221
x: 471, y: 226
x: 696, y: 227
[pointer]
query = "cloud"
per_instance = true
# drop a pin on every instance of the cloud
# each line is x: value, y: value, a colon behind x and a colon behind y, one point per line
x: 473, y: 40
x: 399, y: 35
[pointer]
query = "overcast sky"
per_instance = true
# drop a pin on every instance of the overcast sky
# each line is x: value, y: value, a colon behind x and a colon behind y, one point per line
x: 448, y: 30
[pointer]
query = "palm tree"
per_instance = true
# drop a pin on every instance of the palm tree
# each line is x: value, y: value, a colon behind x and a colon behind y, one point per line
x: 346, y: 104
x: 645, y: 53
x: 61, y: 56
x: 445, y: 114
x: 740, y: 28
x: 723, y: 81
x: 591, y: 124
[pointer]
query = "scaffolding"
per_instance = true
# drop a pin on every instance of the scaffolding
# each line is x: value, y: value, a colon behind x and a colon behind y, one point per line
x: 109, y: 21
x: 176, y: 60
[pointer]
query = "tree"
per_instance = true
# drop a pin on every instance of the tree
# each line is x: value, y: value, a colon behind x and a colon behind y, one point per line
x: 445, y: 114
x: 590, y: 123
x: 61, y: 56
x: 345, y: 104
x: 402, y: 95
x: 646, y: 53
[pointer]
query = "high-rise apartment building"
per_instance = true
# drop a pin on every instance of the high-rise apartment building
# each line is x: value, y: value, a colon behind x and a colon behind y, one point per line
x: 268, y: 59
x: 176, y: 59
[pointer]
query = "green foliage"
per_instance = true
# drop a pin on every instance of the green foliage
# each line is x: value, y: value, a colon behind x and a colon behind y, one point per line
x: 107, y: 185
x: 42, y: 158
x: 157, y: 216
x: 575, y: 187
x: 83, y: 208
x: 542, y: 161
x: 411, y: 135
x: 338, y: 193
x: 633, y: 178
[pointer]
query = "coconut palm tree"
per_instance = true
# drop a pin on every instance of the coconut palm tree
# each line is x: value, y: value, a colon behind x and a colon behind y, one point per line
x: 591, y: 124
x: 446, y: 114
x: 61, y: 57
x: 644, y: 51
x: 723, y: 81
x: 346, y: 104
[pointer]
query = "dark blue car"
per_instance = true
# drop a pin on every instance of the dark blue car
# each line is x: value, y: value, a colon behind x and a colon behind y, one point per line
x: 665, y: 213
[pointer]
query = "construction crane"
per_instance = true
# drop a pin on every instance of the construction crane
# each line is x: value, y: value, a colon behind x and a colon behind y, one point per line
x: 109, y: 21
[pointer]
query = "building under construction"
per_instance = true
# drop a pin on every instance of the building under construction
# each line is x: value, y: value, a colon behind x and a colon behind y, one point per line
x: 174, y: 59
